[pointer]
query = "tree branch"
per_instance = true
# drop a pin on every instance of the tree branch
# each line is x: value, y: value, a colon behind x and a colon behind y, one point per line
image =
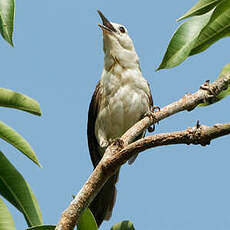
x: 116, y: 155
x: 199, y: 134
x: 187, y: 102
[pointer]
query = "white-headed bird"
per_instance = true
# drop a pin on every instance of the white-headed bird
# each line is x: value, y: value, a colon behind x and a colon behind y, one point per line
x: 122, y: 97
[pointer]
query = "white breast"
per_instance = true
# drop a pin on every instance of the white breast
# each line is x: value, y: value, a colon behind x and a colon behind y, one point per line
x: 126, y: 101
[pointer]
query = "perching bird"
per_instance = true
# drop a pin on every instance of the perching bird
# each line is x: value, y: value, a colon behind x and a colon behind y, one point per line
x: 122, y: 97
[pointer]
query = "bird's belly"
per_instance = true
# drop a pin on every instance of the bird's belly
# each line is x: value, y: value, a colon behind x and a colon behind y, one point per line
x: 123, y: 109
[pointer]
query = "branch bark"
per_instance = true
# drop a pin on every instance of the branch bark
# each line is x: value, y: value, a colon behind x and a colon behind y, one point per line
x: 116, y: 155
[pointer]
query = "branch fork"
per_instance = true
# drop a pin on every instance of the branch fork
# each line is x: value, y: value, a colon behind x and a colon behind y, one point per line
x: 117, y: 154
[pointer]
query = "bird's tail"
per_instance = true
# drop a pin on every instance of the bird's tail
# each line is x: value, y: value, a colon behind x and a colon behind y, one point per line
x: 102, y: 205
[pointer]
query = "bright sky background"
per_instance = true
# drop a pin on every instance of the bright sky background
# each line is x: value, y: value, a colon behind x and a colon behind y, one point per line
x: 58, y: 59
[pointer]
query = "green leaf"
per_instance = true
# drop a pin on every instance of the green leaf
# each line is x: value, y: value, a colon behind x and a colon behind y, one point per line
x: 15, y: 139
x: 225, y: 71
x: 43, y: 227
x: 124, y: 225
x: 9, y: 98
x: 15, y: 189
x: 217, y: 28
x: 7, y: 20
x: 201, y: 7
x: 184, y: 40
x: 87, y: 221
x: 6, y: 220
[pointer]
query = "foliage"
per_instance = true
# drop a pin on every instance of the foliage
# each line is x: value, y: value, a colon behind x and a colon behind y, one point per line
x: 183, y: 41
x: 201, y: 7
x: 7, y: 20
x: 123, y: 225
x: 11, y: 99
x: 14, y: 188
x: 6, y: 220
x: 209, y: 22
x: 87, y: 221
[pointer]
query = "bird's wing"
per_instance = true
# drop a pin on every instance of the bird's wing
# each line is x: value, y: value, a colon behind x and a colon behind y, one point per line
x: 103, y: 203
x: 150, y: 98
x: 92, y: 115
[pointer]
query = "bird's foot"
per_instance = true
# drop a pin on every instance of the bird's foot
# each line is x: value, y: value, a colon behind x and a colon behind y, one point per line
x: 117, y: 142
x: 151, y: 115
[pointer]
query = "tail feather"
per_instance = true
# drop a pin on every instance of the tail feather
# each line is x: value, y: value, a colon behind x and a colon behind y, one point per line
x: 103, y: 203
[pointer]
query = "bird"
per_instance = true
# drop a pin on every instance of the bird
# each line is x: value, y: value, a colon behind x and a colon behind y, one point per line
x: 122, y: 97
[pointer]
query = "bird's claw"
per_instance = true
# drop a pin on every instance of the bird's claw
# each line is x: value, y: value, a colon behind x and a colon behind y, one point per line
x: 151, y: 128
x: 156, y: 108
x: 118, y: 142
x: 151, y: 115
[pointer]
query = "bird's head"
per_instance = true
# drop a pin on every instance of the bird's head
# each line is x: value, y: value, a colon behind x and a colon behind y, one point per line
x: 116, y: 41
x: 115, y: 34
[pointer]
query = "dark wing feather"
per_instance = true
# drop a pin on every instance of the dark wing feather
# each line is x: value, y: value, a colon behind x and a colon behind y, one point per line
x: 103, y: 203
x: 92, y: 115
x: 150, y: 98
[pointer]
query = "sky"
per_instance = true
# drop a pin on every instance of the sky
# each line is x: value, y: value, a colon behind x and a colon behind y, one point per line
x: 58, y: 59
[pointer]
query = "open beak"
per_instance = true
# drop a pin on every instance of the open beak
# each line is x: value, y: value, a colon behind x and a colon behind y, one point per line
x: 106, y: 23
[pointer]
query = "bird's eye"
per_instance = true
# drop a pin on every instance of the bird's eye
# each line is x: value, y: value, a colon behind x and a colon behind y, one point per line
x: 122, y: 29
